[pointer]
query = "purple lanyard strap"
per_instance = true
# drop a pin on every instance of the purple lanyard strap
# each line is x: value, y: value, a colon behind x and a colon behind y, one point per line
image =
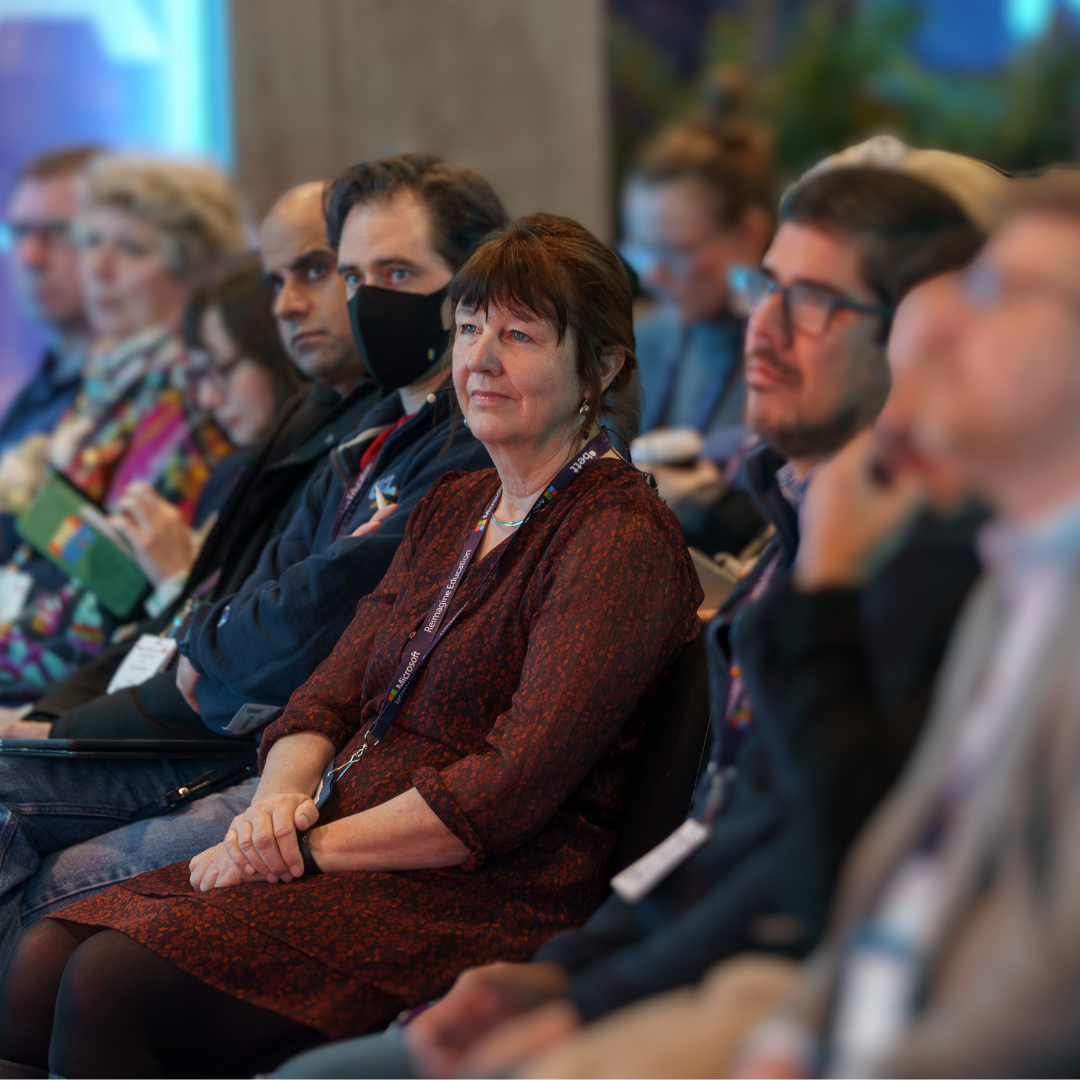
x: 432, y: 630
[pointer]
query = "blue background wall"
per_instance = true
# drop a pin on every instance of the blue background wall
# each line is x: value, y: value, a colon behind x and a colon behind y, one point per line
x: 129, y: 74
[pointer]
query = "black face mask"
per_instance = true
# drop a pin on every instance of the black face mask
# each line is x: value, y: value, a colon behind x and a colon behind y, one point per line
x: 400, y: 335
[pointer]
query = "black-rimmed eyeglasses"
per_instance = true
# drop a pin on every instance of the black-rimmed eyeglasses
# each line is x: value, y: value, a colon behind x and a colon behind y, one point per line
x: 217, y: 375
x: 806, y: 307
x: 48, y: 232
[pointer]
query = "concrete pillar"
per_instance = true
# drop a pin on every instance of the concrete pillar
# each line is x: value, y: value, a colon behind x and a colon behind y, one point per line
x: 515, y: 89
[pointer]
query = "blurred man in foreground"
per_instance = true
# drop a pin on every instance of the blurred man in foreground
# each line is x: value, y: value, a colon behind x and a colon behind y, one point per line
x: 955, y: 949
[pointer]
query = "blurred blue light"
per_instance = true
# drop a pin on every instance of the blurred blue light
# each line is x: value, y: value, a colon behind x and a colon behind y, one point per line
x: 1027, y: 19
x: 125, y: 33
x: 181, y: 43
x: 142, y: 75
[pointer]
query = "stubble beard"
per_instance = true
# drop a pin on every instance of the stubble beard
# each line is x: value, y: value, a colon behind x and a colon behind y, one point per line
x: 818, y: 438
x: 804, y: 439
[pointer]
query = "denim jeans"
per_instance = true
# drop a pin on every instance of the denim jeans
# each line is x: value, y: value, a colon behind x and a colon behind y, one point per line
x: 65, y: 831
x: 380, y: 1055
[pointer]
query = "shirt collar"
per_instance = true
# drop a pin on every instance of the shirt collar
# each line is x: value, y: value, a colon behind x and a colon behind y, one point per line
x: 1011, y: 549
x: 791, y: 487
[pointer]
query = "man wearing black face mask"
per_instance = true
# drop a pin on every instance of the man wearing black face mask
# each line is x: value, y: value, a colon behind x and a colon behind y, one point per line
x: 402, y: 227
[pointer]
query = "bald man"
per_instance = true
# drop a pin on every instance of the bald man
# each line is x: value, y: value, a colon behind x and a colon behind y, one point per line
x: 313, y: 320
x: 309, y: 296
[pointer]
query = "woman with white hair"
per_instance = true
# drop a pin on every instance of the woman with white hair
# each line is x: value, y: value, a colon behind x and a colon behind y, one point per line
x: 147, y: 229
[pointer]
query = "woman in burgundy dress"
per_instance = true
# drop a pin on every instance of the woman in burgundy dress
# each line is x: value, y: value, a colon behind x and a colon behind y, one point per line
x: 446, y: 789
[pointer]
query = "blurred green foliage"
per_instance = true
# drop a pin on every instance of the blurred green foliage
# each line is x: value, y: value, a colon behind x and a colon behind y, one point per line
x: 827, y: 73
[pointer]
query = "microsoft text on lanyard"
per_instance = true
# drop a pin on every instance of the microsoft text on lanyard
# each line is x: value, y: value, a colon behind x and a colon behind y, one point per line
x: 432, y: 630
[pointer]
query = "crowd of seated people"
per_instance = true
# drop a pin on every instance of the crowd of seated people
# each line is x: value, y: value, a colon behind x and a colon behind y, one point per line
x: 144, y: 231
x: 411, y: 493
x: 699, y: 201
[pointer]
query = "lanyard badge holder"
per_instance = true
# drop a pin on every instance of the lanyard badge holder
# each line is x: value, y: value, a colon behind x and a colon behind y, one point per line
x: 641, y: 877
x: 432, y: 630
x: 153, y: 653
x: 16, y: 585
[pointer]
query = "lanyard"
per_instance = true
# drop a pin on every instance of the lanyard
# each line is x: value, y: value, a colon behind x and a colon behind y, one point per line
x: 671, y: 375
x: 356, y: 488
x: 178, y: 626
x: 738, y: 712
x: 712, y: 398
x: 432, y: 630
x: 350, y: 496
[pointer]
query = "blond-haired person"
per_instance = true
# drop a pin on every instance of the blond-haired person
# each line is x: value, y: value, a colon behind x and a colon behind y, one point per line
x: 146, y: 229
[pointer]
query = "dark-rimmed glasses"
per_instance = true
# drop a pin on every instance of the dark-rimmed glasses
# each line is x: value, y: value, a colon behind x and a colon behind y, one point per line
x: 806, y: 307
x: 52, y: 232
x: 217, y: 375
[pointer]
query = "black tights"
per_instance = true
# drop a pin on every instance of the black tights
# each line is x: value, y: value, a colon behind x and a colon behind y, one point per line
x: 121, y: 1010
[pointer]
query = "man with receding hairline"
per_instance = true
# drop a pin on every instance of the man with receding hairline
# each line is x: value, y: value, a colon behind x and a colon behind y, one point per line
x: 309, y: 298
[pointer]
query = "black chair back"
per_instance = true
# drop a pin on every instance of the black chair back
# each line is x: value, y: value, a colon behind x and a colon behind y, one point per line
x: 670, y: 758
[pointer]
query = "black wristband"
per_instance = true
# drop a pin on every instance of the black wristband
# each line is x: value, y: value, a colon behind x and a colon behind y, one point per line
x: 311, y: 867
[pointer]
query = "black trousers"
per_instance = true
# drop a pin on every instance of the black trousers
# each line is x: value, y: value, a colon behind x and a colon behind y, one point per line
x: 78, y: 707
x: 82, y: 1001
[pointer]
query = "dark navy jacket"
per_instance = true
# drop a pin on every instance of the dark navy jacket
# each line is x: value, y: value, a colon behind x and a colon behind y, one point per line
x: 261, y: 643
x: 39, y: 405
x: 267, y: 496
x: 839, y: 684
x: 36, y: 409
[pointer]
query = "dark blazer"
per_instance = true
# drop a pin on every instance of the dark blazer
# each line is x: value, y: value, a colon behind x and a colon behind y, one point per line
x: 38, y: 406
x: 267, y: 495
x: 834, y: 719
x: 1001, y: 963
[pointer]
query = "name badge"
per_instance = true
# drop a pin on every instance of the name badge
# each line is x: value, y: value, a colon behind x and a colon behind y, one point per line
x: 253, y: 717
x: 149, y: 657
x: 641, y: 877
x: 15, y: 589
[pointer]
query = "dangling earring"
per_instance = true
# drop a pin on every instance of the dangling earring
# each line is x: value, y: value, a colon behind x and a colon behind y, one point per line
x: 584, y: 407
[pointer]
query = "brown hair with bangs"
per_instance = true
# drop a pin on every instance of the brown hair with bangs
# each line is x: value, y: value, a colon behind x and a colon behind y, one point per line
x: 549, y: 267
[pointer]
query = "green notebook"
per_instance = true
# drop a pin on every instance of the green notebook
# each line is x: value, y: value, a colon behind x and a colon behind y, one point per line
x: 69, y: 530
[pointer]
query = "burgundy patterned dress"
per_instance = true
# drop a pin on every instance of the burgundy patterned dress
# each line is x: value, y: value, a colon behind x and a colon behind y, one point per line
x: 519, y: 733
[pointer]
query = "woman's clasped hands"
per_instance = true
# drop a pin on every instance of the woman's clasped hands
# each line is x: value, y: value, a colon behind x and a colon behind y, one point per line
x: 260, y: 845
